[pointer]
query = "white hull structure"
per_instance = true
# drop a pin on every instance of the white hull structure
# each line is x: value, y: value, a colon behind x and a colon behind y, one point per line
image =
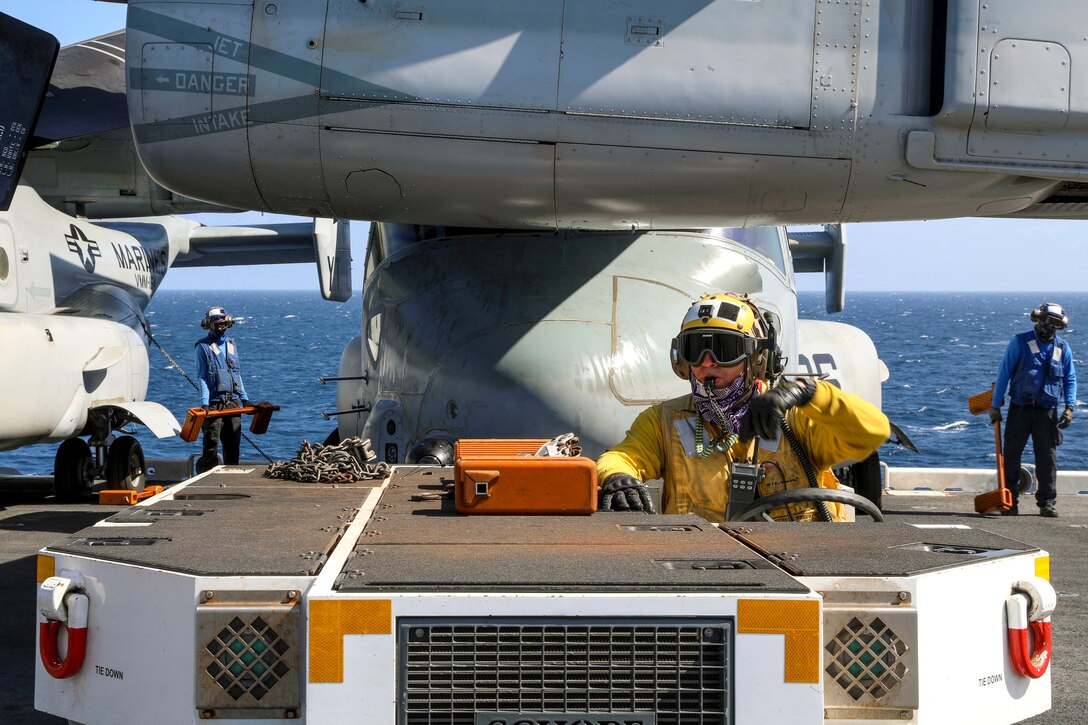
x: 239, y: 598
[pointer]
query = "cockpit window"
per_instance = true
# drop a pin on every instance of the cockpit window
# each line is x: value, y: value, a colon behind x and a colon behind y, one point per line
x: 767, y: 241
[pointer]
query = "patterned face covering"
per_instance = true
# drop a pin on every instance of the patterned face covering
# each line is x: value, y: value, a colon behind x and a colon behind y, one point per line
x: 719, y: 405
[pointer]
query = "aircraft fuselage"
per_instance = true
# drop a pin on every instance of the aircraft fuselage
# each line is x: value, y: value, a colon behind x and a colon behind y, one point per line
x: 612, y: 115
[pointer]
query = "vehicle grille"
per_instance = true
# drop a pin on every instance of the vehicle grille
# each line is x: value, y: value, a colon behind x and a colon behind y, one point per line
x: 679, y: 669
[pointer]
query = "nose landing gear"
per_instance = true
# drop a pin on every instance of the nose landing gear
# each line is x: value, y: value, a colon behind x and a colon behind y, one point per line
x: 76, y: 468
x: 73, y: 470
x: 125, y: 465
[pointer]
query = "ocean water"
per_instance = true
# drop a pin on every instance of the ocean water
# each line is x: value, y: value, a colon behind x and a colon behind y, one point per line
x: 939, y: 349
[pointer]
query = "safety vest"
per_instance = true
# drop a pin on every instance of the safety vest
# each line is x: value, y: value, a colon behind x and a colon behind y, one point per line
x: 224, y: 377
x: 1039, y: 377
x: 700, y: 486
x: 834, y: 428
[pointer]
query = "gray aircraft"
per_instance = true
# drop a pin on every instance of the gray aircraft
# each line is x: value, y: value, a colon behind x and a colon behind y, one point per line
x: 614, y: 114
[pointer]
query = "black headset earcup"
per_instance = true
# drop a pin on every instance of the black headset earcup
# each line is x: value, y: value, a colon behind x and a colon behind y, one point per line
x: 776, y: 363
x: 678, y: 365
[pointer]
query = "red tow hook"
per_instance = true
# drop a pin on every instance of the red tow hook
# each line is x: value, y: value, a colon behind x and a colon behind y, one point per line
x: 1029, y: 608
x: 63, y: 607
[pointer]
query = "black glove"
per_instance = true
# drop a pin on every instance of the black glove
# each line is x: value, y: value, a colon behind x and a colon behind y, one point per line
x: 621, y: 492
x: 995, y: 415
x: 207, y: 406
x: 1066, y: 419
x: 248, y: 404
x: 766, y: 411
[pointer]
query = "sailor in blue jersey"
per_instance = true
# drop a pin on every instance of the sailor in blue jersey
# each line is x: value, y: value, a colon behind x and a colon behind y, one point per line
x: 1038, y: 370
x: 220, y: 388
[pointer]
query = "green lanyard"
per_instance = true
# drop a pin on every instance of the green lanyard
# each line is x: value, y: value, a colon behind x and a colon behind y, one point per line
x: 720, y: 444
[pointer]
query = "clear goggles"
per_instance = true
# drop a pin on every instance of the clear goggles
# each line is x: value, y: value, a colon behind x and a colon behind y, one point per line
x: 725, y: 348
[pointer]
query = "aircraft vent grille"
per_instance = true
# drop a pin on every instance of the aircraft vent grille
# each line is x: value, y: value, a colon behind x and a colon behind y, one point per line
x: 452, y: 669
x: 867, y: 659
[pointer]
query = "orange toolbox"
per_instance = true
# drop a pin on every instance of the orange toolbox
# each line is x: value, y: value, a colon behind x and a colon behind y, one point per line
x: 502, y: 476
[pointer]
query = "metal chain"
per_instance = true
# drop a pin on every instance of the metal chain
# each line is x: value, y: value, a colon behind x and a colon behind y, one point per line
x: 147, y: 330
x: 257, y: 447
x: 180, y: 369
x: 344, y: 462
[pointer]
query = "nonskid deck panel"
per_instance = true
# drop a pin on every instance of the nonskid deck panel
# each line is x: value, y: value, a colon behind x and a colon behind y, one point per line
x: 227, y: 524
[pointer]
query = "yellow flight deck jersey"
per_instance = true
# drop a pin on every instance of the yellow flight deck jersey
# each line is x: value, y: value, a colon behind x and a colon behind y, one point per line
x: 834, y: 427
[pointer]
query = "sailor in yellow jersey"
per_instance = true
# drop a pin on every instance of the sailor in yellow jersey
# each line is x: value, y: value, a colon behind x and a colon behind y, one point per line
x: 727, y: 350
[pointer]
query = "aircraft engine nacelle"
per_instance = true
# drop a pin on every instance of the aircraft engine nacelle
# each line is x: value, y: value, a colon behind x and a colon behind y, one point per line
x: 841, y: 354
x: 57, y: 368
x: 611, y: 115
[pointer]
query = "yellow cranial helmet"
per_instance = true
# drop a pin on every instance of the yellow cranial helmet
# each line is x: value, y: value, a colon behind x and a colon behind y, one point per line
x: 728, y: 326
x: 723, y: 311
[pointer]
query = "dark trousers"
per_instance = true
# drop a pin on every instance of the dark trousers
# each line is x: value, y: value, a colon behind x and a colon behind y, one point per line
x: 1041, y: 424
x: 227, y: 428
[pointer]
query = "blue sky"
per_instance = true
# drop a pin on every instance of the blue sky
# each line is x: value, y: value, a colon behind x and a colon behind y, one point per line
x: 954, y: 255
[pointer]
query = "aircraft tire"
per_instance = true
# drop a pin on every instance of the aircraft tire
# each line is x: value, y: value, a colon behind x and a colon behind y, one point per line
x: 865, y: 478
x: 125, y: 467
x: 73, y: 470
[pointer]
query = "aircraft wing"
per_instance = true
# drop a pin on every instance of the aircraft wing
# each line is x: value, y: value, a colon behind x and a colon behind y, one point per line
x: 325, y: 241
x: 823, y: 251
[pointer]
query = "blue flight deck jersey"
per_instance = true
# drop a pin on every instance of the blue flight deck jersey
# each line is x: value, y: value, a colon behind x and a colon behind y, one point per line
x: 1037, y: 373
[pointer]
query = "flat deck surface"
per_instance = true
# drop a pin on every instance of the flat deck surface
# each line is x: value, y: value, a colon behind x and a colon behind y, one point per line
x: 30, y: 519
x: 211, y: 528
x: 868, y: 548
x: 417, y: 542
